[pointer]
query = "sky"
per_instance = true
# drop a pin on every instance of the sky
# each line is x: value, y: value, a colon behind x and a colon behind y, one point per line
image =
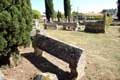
x: 83, y: 6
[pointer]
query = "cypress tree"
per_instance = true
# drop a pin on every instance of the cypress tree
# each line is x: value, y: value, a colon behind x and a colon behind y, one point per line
x: 49, y: 9
x: 67, y: 9
x: 118, y: 14
x: 59, y: 16
x: 15, y: 26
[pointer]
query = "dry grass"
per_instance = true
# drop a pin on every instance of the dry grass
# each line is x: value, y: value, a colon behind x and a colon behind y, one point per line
x: 103, y: 51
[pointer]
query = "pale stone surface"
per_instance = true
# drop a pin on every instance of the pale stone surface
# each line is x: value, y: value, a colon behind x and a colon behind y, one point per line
x: 81, y: 66
x: 2, y: 77
x: 46, y: 76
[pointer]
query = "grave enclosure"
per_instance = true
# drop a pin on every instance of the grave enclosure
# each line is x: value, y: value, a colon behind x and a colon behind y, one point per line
x: 74, y: 56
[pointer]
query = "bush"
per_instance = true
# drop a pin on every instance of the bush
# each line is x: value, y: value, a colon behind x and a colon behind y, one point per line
x: 36, y: 14
x: 109, y: 20
x: 15, y: 25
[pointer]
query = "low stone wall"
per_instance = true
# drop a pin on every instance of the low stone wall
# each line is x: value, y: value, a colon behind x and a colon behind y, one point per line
x: 97, y: 27
x: 74, y: 56
x: 52, y: 26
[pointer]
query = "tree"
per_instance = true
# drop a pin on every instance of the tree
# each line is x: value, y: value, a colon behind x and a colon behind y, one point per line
x: 67, y: 9
x: 49, y: 9
x: 118, y: 14
x: 36, y: 14
x: 15, y: 27
x: 59, y: 16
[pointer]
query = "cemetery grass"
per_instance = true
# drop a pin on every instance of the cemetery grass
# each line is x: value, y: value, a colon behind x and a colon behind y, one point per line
x: 102, y: 51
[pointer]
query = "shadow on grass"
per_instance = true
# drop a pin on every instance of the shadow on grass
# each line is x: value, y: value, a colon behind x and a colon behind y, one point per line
x: 45, y: 66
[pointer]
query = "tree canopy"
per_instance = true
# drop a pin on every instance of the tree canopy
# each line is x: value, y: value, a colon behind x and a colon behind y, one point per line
x: 49, y: 9
x: 67, y: 9
x: 59, y: 15
x: 36, y: 14
x: 118, y: 14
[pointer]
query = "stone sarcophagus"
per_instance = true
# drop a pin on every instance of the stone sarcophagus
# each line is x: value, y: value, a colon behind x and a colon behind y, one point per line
x: 96, y: 27
x: 51, y: 26
x: 72, y: 55
x: 69, y: 26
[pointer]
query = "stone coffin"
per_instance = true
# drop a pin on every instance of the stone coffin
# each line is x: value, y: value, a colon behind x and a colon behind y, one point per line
x: 51, y: 26
x: 95, y: 27
x: 74, y: 56
x: 69, y: 26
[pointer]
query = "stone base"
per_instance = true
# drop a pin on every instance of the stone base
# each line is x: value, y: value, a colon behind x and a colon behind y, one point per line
x: 38, y: 52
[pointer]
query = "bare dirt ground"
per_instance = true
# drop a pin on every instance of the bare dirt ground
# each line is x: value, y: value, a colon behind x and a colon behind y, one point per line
x: 24, y: 71
x: 31, y: 65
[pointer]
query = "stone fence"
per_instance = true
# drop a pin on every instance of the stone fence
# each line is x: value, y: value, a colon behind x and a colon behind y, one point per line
x: 74, y: 56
